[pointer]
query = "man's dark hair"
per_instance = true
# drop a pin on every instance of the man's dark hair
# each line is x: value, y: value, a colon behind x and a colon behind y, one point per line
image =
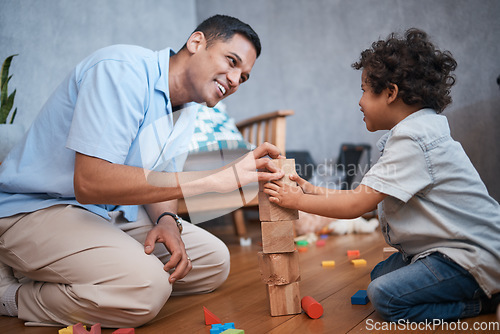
x: 224, y: 27
x: 415, y: 65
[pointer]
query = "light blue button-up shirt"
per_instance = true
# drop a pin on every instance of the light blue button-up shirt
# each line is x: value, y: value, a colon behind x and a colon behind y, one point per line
x: 437, y: 201
x: 115, y: 106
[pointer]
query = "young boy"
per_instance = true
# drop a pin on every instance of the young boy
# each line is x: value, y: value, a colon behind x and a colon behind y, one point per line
x: 432, y: 205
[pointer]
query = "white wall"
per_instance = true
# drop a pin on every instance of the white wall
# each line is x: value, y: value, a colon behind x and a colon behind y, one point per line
x: 309, y: 46
x: 52, y: 36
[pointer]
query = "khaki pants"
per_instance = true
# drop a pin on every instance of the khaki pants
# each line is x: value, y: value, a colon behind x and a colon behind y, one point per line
x: 80, y: 267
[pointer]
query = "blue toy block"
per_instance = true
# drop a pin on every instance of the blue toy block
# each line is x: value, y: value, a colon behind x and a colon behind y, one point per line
x: 360, y: 298
x: 219, y: 328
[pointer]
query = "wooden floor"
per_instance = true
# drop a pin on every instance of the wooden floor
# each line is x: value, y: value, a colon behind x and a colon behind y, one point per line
x: 242, y: 298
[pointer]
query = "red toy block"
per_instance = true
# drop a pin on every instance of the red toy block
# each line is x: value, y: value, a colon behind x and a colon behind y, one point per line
x: 79, y: 329
x: 353, y: 254
x: 124, y: 331
x: 312, y: 308
x: 210, y: 318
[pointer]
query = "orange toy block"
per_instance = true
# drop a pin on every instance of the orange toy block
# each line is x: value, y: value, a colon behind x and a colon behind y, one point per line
x: 353, y: 254
x: 284, y: 299
x: 124, y: 331
x: 312, y: 308
x: 80, y: 329
x: 279, y: 268
x: 277, y: 237
x: 210, y: 318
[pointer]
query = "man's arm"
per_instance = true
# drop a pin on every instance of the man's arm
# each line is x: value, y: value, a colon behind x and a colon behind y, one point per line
x: 97, y: 181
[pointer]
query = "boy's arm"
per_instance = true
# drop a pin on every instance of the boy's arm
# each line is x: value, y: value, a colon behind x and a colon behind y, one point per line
x: 342, y: 204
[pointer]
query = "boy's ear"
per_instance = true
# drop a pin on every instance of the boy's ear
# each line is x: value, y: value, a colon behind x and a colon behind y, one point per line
x: 392, y: 93
x: 196, y: 41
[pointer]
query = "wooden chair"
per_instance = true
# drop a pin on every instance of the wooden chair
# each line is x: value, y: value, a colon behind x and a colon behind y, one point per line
x: 269, y: 127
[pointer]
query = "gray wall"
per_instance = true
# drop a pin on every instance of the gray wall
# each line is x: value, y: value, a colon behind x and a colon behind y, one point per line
x: 309, y: 45
x: 52, y: 36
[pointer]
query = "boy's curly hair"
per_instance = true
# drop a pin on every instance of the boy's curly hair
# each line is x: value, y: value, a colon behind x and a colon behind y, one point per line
x: 421, y: 72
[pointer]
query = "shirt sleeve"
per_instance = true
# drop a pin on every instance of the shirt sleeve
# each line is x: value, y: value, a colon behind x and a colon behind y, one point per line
x: 109, y: 109
x: 402, y: 171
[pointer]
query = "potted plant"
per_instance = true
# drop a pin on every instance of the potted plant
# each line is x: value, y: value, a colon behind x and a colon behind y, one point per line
x: 10, y: 133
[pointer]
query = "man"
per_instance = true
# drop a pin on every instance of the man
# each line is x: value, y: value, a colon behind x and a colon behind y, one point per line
x: 92, y: 188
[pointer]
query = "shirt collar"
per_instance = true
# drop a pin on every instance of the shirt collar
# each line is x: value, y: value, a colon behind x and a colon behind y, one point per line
x: 381, y: 142
x: 163, y: 66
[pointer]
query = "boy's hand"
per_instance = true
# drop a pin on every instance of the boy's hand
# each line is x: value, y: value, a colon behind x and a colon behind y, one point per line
x: 307, y: 188
x: 283, y: 194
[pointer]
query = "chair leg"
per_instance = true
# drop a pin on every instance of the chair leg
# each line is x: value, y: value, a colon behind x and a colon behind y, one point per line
x: 239, y: 223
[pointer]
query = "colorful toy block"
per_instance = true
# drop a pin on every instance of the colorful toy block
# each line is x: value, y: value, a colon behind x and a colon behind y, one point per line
x: 233, y: 331
x: 124, y: 331
x: 320, y: 243
x: 67, y: 330
x: 79, y: 328
x: 210, y: 318
x: 359, y: 298
x: 221, y: 328
x: 359, y: 262
x: 302, y: 249
x: 353, y: 254
x: 312, y: 308
x: 302, y: 243
x: 328, y: 263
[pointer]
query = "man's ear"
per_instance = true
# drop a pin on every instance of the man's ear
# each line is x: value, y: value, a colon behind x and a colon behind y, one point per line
x: 196, y: 41
x: 392, y: 93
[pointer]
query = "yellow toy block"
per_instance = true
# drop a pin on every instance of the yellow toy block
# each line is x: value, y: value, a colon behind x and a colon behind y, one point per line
x: 328, y: 263
x: 67, y: 330
x: 359, y: 262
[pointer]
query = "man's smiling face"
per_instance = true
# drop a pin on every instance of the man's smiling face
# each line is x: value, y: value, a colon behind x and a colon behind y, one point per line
x: 219, y: 69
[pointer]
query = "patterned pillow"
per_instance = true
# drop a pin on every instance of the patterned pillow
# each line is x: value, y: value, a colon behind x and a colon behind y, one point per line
x: 215, y: 130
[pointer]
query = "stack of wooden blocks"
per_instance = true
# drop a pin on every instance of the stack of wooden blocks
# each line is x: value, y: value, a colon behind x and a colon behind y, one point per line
x: 279, y: 261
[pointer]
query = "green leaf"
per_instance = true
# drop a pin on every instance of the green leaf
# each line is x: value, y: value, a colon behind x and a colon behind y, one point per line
x: 5, y: 69
x: 13, y: 115
x: 6, y: 100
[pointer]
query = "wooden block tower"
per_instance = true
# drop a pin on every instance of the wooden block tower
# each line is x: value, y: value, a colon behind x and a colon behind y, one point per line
x: 279, y: 261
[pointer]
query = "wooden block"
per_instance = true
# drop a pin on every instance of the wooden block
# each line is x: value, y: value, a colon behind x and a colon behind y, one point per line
x: 288, y: 167
x: 277, y: 237
x: 284, y: 299
x: 279, y: 268
x: 270, y: 212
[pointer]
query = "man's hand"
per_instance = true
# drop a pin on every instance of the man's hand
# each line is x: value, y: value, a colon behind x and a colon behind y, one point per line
x: 252, y: 167
x: 167, y: 233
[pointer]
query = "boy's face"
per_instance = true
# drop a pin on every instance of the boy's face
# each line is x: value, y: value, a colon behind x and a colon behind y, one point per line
x: 219, y: 69
x: 374, y: 107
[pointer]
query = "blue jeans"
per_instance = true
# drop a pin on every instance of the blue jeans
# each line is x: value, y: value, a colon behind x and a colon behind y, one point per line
x: 434, y: 287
